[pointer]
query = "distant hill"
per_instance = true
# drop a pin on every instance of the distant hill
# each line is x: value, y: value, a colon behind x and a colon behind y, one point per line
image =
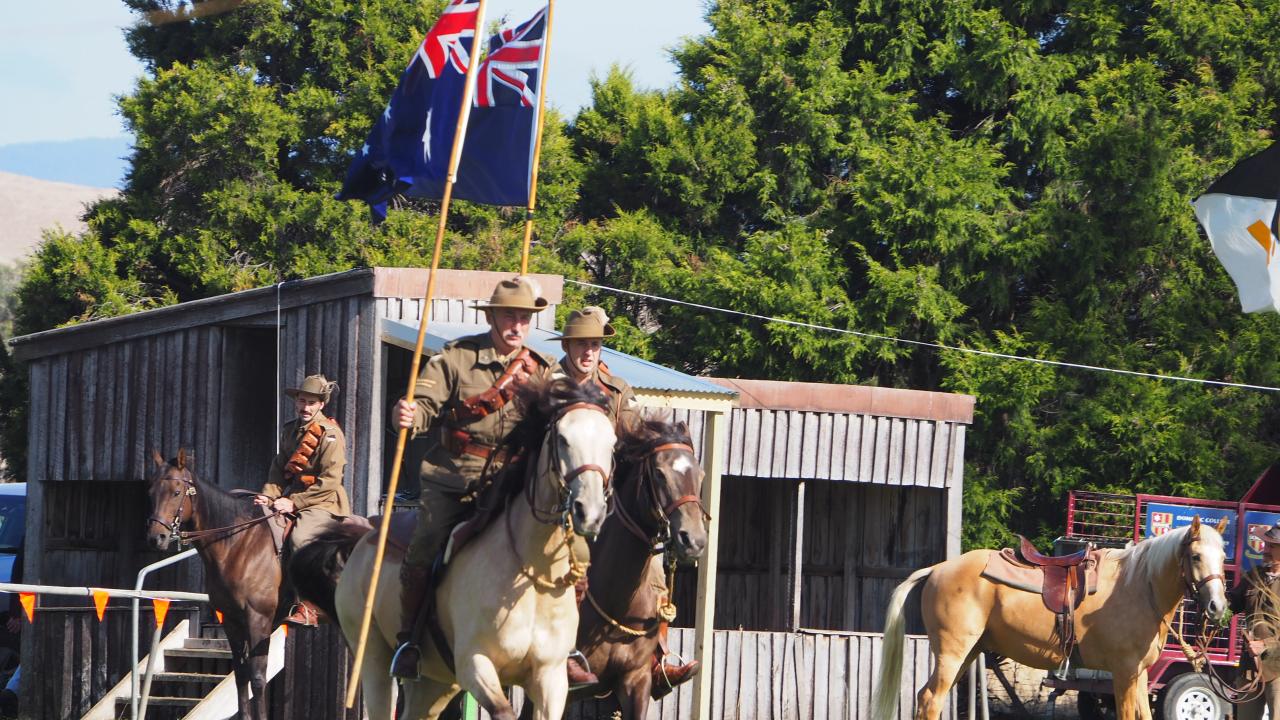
x: 28, y: 205
x: 95, y: 162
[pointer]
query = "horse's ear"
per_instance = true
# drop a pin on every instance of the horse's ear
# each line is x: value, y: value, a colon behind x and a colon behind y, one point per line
x: 183, y: 458
x: 1222, y: 526
x: 682, y: 427
x: 1195, y: 527
x: 157, y: 458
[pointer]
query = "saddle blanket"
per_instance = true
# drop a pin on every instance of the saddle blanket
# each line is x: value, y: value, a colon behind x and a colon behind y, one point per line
x: 1006, y: 568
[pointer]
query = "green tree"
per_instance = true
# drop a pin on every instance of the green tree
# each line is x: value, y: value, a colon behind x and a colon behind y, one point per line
x: 1002, y: 176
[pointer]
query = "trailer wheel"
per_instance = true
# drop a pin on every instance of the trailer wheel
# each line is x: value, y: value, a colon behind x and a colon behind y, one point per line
x: 1189, y: 697
x: 1092, y: 706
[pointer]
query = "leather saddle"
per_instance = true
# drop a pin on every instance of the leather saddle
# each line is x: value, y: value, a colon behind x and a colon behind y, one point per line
x: 1061, y: 581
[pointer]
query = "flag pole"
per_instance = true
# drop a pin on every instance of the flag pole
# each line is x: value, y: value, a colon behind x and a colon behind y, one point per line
x: 537, y: 143
x: 459, y: 134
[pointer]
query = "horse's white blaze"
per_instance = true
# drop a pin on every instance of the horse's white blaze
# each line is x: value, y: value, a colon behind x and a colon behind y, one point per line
x: 682, y: 465
x: 589, y: 440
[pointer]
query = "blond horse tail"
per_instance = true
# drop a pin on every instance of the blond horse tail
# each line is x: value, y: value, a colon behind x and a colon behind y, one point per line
x: 889, y: 685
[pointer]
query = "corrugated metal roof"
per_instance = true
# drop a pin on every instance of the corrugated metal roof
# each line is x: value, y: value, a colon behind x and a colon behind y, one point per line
x: 642, y: 374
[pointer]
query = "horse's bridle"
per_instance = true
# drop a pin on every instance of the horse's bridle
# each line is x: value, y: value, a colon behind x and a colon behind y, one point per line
x: 561, y: 512
x: 175, y: 527
x: 1194, y: 586
x: 189, y: 536
x: 659, y: 513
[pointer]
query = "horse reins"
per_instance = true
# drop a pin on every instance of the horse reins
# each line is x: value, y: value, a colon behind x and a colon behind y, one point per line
x: 561, y: 513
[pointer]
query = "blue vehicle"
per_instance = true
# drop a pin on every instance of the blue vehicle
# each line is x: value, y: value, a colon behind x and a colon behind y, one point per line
x: 13, y: 516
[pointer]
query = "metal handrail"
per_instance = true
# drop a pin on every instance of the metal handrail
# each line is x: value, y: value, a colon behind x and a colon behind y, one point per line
x: 151, y: 659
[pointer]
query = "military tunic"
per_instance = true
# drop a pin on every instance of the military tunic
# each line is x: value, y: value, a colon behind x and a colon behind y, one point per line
x: 1256, y: 595
x: 465, y: 368
x: 623, y: 406
x: 318, y: 501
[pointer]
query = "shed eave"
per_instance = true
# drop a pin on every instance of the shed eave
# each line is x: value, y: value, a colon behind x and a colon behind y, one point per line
x: 193, y: 313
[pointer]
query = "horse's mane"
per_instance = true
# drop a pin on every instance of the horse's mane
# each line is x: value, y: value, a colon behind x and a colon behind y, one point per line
x: 1153, y: 555
x: 636, y: 440
x: 219, y: 507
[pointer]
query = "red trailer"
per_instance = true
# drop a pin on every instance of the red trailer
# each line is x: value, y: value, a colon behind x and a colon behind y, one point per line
x: 1107, y: 520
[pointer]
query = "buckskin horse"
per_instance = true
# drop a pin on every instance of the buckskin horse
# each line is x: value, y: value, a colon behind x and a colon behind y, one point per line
x: 505, y: 607
x: 242, y: 573
x: 1119, y: 628
x: 658, y: 488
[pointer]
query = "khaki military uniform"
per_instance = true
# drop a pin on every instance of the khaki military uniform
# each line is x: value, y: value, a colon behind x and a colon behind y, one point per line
x: 464, y: 369
x: 317, y: 491
x: 623, y: 406
x: 1256, y: 595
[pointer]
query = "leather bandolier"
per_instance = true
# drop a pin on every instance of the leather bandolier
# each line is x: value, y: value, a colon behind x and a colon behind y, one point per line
x: 456, y: 438
x: 301, y: 457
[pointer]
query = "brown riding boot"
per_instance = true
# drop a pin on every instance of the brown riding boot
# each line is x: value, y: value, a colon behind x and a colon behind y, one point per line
x: 667, y: 677
x: 413, y: 590
x: 579, y: 675
x: 303, y: 614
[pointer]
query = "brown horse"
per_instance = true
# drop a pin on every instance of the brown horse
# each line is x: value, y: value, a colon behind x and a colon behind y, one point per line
x: 1121, y: 628
x: 242, y: 573
x: 657, y: 503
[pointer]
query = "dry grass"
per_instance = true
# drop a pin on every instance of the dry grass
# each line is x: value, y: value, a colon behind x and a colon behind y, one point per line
x: 28, y: 205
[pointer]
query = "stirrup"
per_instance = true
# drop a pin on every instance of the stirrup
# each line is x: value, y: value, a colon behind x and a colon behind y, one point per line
x: 405, y: 647
x: 586, y: 668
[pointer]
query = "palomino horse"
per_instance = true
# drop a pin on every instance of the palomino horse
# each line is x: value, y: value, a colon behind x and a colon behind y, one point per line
x: 506, y: 605
x: 658, y: 487
x: 1120, y: 628
x: 242, y: 574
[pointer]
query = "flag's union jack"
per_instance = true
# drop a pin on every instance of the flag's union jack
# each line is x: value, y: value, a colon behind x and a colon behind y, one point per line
x: 510, y: 74
x: 451, y: 38
x: 409, y: 147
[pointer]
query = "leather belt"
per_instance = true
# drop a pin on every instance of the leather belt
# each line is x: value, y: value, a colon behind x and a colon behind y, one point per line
x: 459, y: 443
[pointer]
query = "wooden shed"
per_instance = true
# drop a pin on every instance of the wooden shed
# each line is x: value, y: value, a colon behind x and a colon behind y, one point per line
x: 831, y: 495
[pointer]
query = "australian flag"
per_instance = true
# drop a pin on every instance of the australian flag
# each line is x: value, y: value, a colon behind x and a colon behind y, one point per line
x: 407, y: 151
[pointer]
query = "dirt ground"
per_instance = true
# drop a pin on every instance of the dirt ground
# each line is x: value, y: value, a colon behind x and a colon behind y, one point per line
x: 1033, y: 700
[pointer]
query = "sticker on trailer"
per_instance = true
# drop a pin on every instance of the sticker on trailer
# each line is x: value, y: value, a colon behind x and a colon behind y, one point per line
x: 1163, y: 517
x: 1256, y: 523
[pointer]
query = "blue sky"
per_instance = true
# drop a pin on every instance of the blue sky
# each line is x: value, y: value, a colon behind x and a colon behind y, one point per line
x: 65, y: 61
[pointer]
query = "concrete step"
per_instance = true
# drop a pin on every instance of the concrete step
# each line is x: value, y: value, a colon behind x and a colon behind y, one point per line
x: 207, y: 644
x: 199, y: 653
x: 161, y: 701
x: 187, y: 678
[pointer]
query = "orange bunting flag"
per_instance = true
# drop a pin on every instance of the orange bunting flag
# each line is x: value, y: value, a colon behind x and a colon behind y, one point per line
x: 285, y: 628
x: 100, y: 602
x: 28, y: 601
x: 219, y: 614
x: 162, y: 609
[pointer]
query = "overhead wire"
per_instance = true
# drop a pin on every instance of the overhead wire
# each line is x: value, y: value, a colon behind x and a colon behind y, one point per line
x: 932, y: 345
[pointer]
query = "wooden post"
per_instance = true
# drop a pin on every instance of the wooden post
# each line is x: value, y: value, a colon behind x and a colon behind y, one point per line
x: 713, y: 442
x: 955, y: 492
x: 797, y: 558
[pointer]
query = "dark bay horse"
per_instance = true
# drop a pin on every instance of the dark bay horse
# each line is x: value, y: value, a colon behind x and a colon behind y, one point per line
x: 242, y: 573
x: 658, y: 490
